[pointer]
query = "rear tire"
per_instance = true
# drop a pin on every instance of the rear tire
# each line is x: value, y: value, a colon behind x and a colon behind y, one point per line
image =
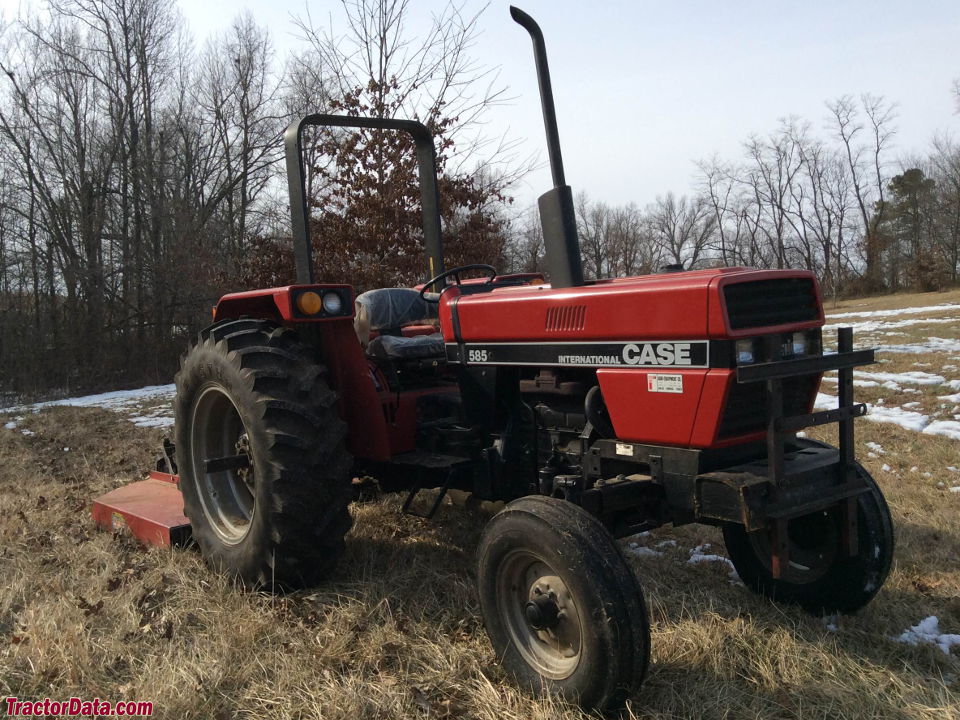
x: 587, y: 636
x: 251, y: 388
x: 821, y: 579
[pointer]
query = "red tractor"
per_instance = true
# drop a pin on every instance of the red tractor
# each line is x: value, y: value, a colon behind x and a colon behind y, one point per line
x: 596, y: 409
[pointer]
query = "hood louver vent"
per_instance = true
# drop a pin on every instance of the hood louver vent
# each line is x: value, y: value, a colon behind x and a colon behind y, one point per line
x: 563, y: 319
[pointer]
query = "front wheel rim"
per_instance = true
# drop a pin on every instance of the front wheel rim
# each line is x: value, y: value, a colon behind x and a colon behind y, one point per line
x: 540, y: 614
x: 227, y: 497
x: 813, y: 542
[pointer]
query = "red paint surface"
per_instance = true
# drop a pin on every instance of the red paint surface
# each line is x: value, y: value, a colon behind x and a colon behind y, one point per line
x: 151, y: 509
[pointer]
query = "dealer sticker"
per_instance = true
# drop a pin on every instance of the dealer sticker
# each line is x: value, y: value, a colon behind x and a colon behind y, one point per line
x: 665, y: 383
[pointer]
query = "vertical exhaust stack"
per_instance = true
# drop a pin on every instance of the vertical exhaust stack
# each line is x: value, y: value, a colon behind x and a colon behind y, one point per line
x: 557, y: 215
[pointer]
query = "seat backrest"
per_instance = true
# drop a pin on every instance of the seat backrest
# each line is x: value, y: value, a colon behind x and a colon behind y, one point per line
x: 390, y: 309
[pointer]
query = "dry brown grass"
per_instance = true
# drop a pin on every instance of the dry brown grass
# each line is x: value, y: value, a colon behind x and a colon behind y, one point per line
x: 396, y: 632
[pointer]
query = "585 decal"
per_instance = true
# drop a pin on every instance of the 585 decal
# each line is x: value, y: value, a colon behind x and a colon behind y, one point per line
x: 477, y: 356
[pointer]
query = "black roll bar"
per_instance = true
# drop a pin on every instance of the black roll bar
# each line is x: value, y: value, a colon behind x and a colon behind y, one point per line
x: 300, y: 212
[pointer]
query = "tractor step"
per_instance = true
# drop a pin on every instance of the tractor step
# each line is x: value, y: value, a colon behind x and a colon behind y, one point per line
x: 152, y: 510
x: 430, y: 461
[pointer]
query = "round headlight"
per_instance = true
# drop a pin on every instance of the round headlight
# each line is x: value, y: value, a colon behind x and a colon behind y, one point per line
x: 309, y: 303
x: 332, y: 304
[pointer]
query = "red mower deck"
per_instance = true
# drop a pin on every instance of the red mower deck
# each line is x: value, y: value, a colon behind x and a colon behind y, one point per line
x: 151, y: 509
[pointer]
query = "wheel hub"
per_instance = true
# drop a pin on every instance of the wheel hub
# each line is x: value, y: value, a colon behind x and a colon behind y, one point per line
x: 542, y: 612
x: 227, y: 492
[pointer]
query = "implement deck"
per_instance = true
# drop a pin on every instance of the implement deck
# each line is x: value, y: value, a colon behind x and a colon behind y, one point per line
x: 152, y: 510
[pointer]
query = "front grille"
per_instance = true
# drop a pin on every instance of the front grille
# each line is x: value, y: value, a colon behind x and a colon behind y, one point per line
x: 764, y: 303
x: 746, y: 408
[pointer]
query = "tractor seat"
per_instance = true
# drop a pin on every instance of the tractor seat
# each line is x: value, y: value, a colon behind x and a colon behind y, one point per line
x: 386, y: 311
x: 399, y: 347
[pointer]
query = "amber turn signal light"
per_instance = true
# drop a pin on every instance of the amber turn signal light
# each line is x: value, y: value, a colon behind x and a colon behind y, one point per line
x: 309, y: 303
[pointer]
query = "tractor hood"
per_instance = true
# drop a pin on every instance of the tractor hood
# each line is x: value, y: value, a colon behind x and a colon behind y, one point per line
x: 702, y: 304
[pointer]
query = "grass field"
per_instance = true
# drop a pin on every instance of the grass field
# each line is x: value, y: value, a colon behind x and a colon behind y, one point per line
x: 396, y: 632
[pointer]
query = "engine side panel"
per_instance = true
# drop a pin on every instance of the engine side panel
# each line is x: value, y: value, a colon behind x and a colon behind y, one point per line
x: 652, y: 407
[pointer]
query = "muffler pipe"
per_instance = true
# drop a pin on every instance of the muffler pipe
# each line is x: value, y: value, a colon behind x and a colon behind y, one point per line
x: 557, y: 216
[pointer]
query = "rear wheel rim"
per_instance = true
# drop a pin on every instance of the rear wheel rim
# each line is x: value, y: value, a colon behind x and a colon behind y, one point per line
x: 227, y: 497
x: 552, y: 643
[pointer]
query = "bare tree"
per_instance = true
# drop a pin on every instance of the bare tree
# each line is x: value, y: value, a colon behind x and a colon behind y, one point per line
x: 592, y: 218
x: 683, y: 228
x: 865, y: 161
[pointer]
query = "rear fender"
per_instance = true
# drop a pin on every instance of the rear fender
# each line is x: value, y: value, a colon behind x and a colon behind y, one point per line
x: 280, y: 304
x: 358, y: 403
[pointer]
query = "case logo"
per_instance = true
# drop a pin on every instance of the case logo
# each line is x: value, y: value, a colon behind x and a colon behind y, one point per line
x: 657, y: 354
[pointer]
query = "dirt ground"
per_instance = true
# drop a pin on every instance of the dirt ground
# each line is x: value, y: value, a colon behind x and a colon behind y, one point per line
x: 396, y: 632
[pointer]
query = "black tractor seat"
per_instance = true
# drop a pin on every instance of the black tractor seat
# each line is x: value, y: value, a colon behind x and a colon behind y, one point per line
x: 400, y: 347
x: 387, y: 311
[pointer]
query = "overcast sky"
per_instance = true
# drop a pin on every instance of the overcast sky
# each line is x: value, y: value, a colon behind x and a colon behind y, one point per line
x: 644, y: 89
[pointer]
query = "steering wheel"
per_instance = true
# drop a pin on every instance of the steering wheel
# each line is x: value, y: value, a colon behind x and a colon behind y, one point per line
x: 490, y: 270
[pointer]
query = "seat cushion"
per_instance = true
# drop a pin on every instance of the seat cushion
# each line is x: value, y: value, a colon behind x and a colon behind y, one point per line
x: 395, y: 347
x: 390, y: 309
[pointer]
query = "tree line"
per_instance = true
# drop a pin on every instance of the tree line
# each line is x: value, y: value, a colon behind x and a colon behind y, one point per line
x: 141, y: 177
x: 835, y: 200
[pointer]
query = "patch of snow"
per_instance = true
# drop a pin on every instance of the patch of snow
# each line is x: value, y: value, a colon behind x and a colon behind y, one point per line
x: 955, y: 398
x: 946, y: 428
x: 907, y: 419
x: 667, y: 543
x: 157, y: 421
x: 697, y: 556
x: 128, y: 402
x: 955, y: 488
x: 877, y: 448
x: 830, y: 622
x: 857, y: 383
x: 932, y: 345
x: 641, y: 551
x: 911, y: 377
x: 28, y: 433
x: 899, y: 311
x: 911, y: 405
x: 927, y: 632
x: 886, y: 468
x: 10, y: 425
x: 825, y: 402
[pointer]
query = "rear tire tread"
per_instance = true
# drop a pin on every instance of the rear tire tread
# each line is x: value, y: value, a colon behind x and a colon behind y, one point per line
x: 303, y: 459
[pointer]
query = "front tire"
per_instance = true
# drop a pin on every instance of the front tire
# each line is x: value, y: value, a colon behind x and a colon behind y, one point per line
x: 820, y: 578
x: 563, y: 610
x: 274, y: 515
